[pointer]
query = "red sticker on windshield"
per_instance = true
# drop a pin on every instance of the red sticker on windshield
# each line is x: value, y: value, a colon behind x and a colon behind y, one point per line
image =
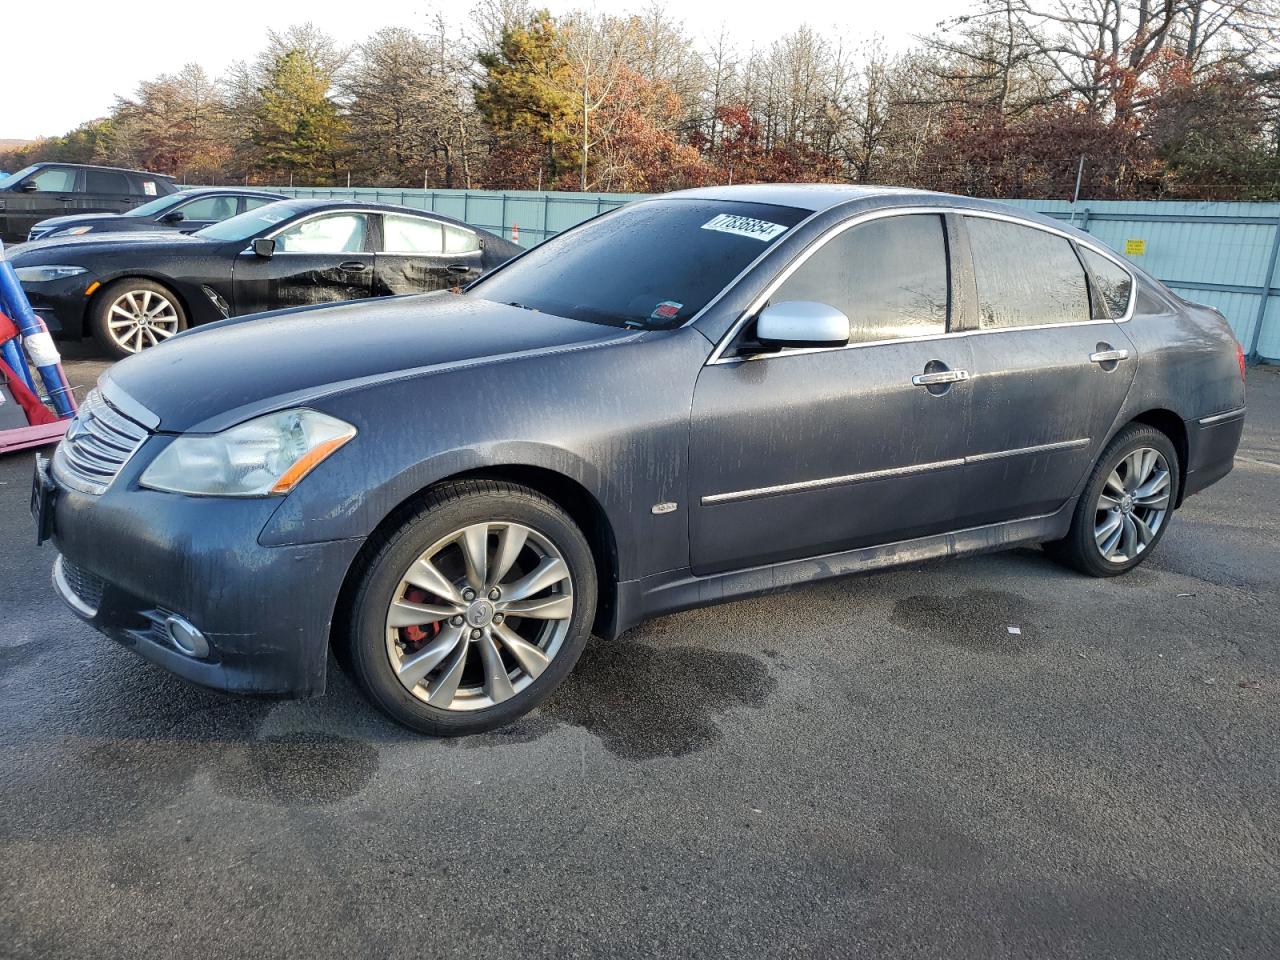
x: 666, y: 310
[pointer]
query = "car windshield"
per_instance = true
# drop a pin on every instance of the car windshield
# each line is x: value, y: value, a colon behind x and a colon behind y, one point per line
x: 246, y: 225
x: 159, y: 205
x: 650, y: 265
x: 11, y: 179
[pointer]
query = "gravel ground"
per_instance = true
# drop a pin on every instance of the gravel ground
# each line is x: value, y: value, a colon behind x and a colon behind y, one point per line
x: 874, y: 767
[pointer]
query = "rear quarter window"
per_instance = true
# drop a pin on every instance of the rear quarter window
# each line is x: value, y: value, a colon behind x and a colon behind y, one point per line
x: 1114, y: 283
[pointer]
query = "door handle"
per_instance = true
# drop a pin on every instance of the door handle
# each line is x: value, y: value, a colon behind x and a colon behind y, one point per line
x: 942, y: 376
x: 1108, y: 356
x: 353, y: 266
x: 458, y: 268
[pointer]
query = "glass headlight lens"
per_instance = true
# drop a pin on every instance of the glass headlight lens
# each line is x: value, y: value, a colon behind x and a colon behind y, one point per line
x: 265, y: 456
x: 44, y: 274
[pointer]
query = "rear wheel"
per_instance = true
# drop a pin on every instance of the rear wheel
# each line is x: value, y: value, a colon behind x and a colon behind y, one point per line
x: 133, y: 314
x: 1126, y: 505
x: 474, y: 610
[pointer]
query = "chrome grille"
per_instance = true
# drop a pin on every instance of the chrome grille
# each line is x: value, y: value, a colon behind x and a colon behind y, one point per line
x: 98, y: 444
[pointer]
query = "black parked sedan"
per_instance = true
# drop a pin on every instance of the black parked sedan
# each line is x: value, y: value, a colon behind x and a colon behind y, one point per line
x: 130, y: 292
x: 187, y: 211
x: 45, y: 190
x: 696, y: 397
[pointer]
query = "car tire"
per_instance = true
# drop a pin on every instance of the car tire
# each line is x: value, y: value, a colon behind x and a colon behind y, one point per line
x: 133, y: 314
x: 1134, y: 484
x: 500, y: 664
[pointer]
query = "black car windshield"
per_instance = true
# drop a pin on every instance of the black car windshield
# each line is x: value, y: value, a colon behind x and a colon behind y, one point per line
x: 250, y: 224
x: 11, y: 179
x: 159, y: 205
x: 650, y: 265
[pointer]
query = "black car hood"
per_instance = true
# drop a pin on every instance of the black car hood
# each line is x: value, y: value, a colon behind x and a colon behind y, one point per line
x: 217, y: 375
x: 65, y: 249
x: 85, y: 218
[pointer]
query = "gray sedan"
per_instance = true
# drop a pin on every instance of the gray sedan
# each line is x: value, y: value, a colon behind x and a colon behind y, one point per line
x: 697, y: 397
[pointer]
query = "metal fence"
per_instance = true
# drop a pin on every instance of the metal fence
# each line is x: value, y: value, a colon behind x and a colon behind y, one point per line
x: 1222, y: 254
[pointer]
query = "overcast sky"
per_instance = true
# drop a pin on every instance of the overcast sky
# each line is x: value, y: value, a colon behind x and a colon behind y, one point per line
x: 64, y: 70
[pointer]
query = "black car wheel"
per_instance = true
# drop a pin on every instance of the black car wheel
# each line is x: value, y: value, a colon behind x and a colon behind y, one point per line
x: 471, y: 612
x: 132, y: 314
x: 1126, y: 505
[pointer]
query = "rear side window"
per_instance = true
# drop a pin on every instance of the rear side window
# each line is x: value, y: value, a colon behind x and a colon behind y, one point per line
x: 253, y: 203
x: 1114, y: 282
x: 457, y: 240
x: 888, y: 276
x: 1025, y: 277
x: 411, y: 235
x: 54, y: 180
x: 106, y: 181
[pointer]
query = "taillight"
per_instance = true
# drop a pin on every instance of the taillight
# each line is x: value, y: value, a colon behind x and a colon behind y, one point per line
x: 1240, y: 358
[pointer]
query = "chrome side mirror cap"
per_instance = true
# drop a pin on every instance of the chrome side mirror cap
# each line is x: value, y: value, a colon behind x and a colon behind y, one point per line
x: 802, y: 323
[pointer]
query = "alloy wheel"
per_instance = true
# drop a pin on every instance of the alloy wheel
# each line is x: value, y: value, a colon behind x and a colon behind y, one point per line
x: 479, y: 615
x: 138, y: 319
x: 1132, y: 505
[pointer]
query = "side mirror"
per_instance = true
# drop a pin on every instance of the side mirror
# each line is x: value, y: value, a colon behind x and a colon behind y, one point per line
x: 30, y: 186
x: 264, y: 247
x: 802, y: 323
x: 177, y: 216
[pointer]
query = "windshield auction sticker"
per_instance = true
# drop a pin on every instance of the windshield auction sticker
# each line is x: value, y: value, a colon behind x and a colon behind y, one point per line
x: 745, y: 227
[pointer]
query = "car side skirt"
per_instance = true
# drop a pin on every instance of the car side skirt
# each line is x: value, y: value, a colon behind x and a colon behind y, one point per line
x: 675, y: 590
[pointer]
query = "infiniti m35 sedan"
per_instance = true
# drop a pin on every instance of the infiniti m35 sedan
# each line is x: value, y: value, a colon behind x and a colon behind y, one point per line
x: 696, y: 397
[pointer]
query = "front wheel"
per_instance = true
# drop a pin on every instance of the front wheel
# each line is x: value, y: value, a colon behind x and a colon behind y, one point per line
x: 1126, y: 505
x: 133, y: 314
x: 474, y: 610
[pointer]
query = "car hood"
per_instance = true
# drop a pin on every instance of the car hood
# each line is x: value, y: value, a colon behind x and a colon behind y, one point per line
x: 66, y: 249
x: 217, y: 375
x: 51, y: 222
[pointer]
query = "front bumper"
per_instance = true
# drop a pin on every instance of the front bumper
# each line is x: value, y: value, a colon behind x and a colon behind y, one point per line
x: 61, y: 304
x: 132, y: 558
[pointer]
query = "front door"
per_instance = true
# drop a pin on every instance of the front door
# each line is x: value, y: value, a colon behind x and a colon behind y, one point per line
x: 321, y: 259
x: 420, y: 254
x: 1050, y: 371
x: 804, y: 452
x: 49, y: 192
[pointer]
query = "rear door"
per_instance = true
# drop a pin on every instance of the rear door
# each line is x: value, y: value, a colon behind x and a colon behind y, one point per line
x: 109, y: 191
x: 803, y: 452
x: 51, y: 191
x: 319, y: 259
x: 1050, y: 370
x: 420, y: 254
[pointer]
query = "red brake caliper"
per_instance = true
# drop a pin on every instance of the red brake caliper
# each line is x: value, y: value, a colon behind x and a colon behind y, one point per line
x: 416, y: 636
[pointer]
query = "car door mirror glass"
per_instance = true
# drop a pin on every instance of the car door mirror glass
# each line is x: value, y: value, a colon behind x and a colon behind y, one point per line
x: 802, y: 323
x: 264, y: 247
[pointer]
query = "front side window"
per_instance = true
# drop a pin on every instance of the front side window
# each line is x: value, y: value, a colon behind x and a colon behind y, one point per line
x: 209, y: 208
x: 336, y: 233
x: 412, y: 235
x: 648, y: 265
x: 54, y: 180
x: 889, y: 277
x: 1025, y: 276
x: 1114, y: 282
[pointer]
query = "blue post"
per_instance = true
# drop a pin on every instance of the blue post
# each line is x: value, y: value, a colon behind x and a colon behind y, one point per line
x: 1264, y: 295
x: 36, y: 341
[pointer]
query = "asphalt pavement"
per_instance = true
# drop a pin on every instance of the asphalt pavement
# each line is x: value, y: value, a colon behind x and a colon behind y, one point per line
x: 875, y: 767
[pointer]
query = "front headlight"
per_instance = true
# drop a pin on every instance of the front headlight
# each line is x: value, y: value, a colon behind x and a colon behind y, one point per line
x: 265, y: 456
x: 68, y: 232
x: 44, y: 274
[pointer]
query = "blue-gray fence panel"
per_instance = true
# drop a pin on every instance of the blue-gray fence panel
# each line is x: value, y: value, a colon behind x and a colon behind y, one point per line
x: 1222, y: 254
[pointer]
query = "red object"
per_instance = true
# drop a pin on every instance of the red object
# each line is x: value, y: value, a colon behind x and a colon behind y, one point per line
x: 515, y: 233
x: 1240, y: 357
x: 24, y: 437
x: 37, y: 413
x: 8, y: 329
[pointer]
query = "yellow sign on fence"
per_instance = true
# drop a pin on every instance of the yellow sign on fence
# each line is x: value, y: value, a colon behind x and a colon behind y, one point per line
x: 1135, y: 248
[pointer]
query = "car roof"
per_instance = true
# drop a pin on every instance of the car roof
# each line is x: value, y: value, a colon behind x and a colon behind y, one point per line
x: 239, y: 191
x: 99, y: 166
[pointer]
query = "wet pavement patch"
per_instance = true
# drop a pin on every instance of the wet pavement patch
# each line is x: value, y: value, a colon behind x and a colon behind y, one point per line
x: 978, y: 620
x: 303, y: 768
x: 645, y: 702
